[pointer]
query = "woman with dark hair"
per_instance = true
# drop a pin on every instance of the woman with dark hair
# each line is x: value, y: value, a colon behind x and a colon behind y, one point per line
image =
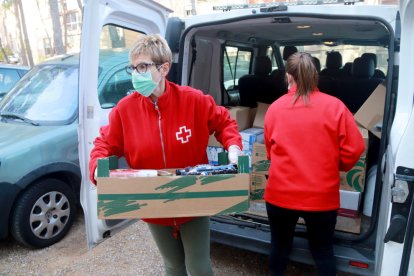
x: 310, y: 136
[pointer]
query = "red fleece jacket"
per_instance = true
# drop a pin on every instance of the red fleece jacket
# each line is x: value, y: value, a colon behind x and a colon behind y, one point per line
x: 307, y: 146
x: 173, y: 133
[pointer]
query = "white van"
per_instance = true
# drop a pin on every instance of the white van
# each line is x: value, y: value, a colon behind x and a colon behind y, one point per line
x: 214, y: 52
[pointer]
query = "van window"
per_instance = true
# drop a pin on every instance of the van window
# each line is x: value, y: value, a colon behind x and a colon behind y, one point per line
x: 271, y: 55
x: 114, y: 82
x: 349, y: 53
x: 236, y: 63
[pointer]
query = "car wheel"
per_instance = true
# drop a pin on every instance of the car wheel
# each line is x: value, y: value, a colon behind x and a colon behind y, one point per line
x: 44, y: 213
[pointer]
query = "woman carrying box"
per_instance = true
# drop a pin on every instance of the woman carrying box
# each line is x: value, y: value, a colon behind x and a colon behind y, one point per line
x: 309, y: 137
x: 164, y: 125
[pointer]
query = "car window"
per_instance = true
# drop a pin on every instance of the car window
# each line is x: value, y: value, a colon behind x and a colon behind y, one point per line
x: 8, y: 78
x: 47, y: 94
x: 114, y: 81
x: 236, y: 63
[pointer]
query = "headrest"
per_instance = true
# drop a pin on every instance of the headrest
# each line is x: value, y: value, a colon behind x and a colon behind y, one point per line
x: 334, y: 60
x: 371, y: 56
x: 347, y: 69
x: 317, y: 63
x: 289, y: 50
x: 262, y: 66
x: 363, y: 68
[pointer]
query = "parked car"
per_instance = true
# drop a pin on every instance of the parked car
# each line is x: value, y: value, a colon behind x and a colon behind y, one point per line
x: 9, y: 75
x: 39, y: 163
x: 205, y: 47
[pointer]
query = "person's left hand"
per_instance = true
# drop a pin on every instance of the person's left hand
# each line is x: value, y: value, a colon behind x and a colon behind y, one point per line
x: 234, y: 152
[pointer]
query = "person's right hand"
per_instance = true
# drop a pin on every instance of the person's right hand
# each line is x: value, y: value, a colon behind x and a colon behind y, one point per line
x: 234, y: 152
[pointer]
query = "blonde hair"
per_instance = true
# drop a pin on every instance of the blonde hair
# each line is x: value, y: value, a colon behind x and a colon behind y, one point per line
x: 153, y: 45
x: 302, y: 68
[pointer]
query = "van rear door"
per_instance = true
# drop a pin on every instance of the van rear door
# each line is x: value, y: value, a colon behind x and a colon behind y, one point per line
x: 109, y: 29
x: 399, y: 163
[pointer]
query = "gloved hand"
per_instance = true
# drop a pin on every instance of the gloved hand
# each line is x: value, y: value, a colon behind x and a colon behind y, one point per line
x: 234, y: 152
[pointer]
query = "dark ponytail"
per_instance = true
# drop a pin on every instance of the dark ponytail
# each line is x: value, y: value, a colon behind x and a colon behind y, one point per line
x: 302, y: 68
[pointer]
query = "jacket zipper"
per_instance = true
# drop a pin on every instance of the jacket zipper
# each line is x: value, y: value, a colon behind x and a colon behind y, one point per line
x: 161, y: 136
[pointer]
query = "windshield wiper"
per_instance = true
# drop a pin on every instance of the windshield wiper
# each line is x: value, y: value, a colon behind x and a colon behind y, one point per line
x: 18, y: 116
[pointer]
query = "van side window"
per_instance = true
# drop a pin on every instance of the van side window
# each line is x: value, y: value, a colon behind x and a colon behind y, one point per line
x: 115, y: 83
x: 271, y: 55
x: 236, y: 63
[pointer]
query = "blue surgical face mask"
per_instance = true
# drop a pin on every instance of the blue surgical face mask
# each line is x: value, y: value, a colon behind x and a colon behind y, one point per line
x: 143, y: 83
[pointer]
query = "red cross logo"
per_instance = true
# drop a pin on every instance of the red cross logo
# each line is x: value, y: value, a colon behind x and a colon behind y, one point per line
x: 183, y: 134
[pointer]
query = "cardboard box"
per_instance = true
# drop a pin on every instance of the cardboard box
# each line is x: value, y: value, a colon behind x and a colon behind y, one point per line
x: 348, y: 224
x: 260, y: 164
x: 260, y: 115
x: 213, y: 153
x: 244, y: 117
x: 350, y: 201
x: 170, y: 196
x: 251, y: 136
x: 257, y: 186
x: 354, y: 179
x: 371, y: 113
x: 257, y: 208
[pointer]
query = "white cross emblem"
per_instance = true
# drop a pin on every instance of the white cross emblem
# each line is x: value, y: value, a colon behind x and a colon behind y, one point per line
x: 183, y: 134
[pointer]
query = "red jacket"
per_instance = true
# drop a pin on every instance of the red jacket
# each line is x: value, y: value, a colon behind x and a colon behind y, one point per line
x: 307, y: 146
x: 170, y: 134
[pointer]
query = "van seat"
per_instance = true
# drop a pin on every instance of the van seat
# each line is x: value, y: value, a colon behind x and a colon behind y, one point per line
x: 377, y: 72
x: 260, y: 86
x: 333, y: 64
x: 354, y: 91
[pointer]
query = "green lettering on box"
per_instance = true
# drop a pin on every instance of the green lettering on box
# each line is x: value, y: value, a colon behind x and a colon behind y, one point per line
x: 356, y: 176
x: 261, y: 166
x: 238, y: 208
x: 112, y: 204
x: 113, y: 207
x: 179, y: 183
x: 172, y: 196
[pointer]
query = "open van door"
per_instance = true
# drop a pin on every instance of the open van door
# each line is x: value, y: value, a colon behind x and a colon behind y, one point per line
x: 398, y: 165
x: 108, y: 32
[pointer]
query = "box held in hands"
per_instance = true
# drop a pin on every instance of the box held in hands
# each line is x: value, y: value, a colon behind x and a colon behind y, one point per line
x: 170, y: 196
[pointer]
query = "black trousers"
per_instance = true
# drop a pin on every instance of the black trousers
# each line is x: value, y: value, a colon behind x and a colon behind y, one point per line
x: 320, y: 228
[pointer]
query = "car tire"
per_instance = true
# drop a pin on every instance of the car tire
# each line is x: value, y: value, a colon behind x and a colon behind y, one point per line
x: 44, y: 213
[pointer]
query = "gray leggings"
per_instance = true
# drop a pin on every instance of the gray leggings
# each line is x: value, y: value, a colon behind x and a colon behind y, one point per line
x: 190, y: 252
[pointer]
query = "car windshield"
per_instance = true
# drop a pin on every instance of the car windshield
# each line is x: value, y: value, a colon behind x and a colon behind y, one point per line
x: 48, y: 94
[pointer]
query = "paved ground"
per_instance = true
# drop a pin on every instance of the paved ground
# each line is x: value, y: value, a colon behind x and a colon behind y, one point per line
x: 130, y: 252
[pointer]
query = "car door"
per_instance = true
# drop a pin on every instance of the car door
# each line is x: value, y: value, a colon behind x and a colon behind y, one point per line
x: 398, y: 165
x: 109, y: 29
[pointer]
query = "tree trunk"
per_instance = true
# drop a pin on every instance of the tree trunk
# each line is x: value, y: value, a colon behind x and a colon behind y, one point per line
x: 4, y: 52
x: 80, y: 6
x: 43, y: 22
x: 25, y: 35
x: 57, y: 30
x: 116, y: 41
x: 23, y: 52
x: 65, y: 27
